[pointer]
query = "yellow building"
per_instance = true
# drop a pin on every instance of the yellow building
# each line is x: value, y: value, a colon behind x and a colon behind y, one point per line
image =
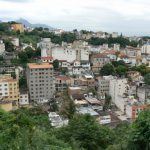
x: 18, y: 27
x: 9, y: 89
x: 6, y: 105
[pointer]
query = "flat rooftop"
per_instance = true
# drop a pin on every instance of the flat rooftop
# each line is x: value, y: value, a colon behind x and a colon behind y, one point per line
x: 87, y: 110
x: 39, y: 65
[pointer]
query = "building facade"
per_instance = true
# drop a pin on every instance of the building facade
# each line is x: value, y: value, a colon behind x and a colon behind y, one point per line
x: 41, y: 83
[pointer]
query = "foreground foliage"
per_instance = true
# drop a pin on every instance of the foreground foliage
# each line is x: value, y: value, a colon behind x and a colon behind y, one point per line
x: 30, y: 129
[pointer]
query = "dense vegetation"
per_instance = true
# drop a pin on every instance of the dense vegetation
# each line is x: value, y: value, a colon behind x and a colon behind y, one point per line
x: 38, y: 33
x: 30, y: 129
x: 119, y: 68
x: 119, y: 40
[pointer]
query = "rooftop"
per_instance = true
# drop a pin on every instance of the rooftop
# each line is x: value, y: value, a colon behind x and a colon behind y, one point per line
x: 87, y: 110
x: 40, y: 65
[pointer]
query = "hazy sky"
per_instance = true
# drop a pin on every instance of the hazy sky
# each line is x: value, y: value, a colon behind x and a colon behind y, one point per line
x: 132, y: 17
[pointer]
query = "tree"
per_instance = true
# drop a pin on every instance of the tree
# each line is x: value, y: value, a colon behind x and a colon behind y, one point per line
x: 142, y: 69
x: 87, y: 132
x: 29, y: 51
x: 22, y: 83
x: 28, y: 129
x: 9, y: 46
x: 67, y: 108
x: 23, y: 56
x: 147, y: 79
x: 107, y: 104
x: 56, y: 64
x: 121, y: 70
x: 68, y: 37
x: 107, y: 69
x: 139, y: 137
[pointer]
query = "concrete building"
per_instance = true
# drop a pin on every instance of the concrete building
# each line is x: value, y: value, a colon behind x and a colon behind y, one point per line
x: 62, y: 82
x: 46, y: 47
x: 134, y: 107
x: 15, y: 41
x: 9, y: 89
x: 17, y: 27
x: 98, y: 61
x: 40, y: 81
x: 103, y: 86
x: 118, y: 87
x: 114, y: 34
x: 2, y: 47
x: 56, y: 120
x: 68, y: 52
x: 23, y: 98
x: 116, y: 47
x: 134, y: 75
x: 145, y: 49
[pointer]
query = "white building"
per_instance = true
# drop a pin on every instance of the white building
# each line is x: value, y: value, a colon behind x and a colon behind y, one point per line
x: 114, y: 34
x: 56, y: 120
x: 2, y: 47
x: 15, y: 41
x: 117, y: 87
x: 116, y: 47
x: 61, y: 53
x: 4, y: 88
x: 45, y: 46
x: 103, y: 86
x: 24, y: 99
x: 145, y: 49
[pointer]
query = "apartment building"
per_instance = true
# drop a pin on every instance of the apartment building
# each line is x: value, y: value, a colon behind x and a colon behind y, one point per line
x: 9, y: 89
x: 103, y: 86
x: 145, y: 49
x: 98, y: 61
x: 118, y: 87
x: 40, y: 81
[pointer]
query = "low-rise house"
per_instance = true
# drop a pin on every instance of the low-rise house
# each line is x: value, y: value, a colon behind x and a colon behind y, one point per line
x: 64, y: 64
x: 87, y: 110
x: 74, y: 90
x: 56, y: 120
x: 134, y: 75
x: 134, y: 107
x: 62, y: 83
x: 111, y: 54
x: 23, y: 98
x: 81, y: 103
x: 94, y: 103
x: 86, y: 81
x: 105, y: 117
x: 124, y: 58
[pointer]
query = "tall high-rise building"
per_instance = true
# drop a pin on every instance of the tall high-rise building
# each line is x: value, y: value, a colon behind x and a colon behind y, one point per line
x: 41, y: 83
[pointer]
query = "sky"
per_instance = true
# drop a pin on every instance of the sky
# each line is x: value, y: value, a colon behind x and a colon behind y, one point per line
x: 130, y: 17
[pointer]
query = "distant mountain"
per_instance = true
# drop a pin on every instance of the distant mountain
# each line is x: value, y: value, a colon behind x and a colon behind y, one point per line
x: 28, y: 24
